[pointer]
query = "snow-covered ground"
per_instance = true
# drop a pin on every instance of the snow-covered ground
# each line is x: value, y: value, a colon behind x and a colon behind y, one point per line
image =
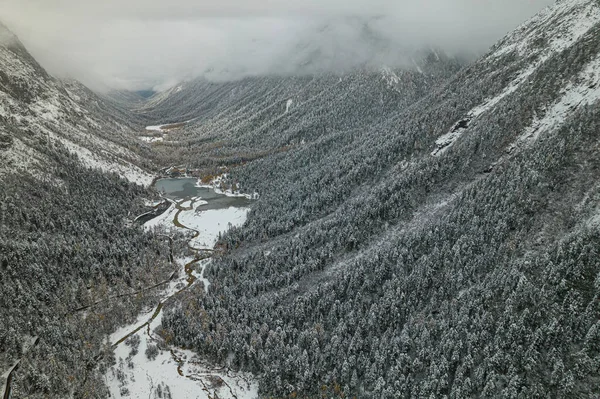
x: 177, y: 373
x: 210, y: 223
x: 390, y: 77
x: 200, y: 275
x: 585, y: 92
x: 149, y: 377
x: 563, y: 24
x: 446, y: 140
x: 152, y: 203
x: 167, y: 127
x: 94, y: 160
x: 583, y: 15
x: 46, y: 117
x: 165, y: 220
x: 158, y: 128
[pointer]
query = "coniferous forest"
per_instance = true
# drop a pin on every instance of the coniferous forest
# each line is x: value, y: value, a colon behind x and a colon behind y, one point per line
x: 430, y: 231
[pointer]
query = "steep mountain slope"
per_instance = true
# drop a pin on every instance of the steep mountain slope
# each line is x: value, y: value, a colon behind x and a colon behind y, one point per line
x: 446, y: 248
x: 34, y: 107
x: 67, y: 239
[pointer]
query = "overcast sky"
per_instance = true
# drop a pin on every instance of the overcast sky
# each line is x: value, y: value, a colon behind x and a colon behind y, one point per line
x: 137, y: 44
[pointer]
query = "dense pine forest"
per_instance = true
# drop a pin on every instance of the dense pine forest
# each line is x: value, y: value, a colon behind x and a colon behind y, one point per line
x: 384, y: 262
x: 64, y: 247
x: 430, y: 230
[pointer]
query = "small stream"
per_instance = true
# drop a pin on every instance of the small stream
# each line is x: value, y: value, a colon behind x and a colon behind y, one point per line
x: 177, y: 373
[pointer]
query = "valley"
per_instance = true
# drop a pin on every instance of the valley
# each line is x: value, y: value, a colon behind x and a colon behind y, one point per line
x: 423, y: 229
x: 171, y: 372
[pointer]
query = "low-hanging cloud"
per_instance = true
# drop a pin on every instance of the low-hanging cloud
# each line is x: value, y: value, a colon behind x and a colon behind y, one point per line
x: 136, y: 44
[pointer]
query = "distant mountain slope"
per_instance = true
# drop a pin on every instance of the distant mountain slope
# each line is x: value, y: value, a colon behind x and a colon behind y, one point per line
x: 229, y: 122
x: 35, y: 108
x: 443, y: 248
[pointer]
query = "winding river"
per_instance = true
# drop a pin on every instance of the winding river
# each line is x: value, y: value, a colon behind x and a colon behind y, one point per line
x: 174, y: 372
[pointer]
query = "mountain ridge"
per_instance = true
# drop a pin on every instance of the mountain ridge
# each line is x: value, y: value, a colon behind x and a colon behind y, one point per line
x: 33, y: 101
x: 431, y: 253
x: 429, y: 232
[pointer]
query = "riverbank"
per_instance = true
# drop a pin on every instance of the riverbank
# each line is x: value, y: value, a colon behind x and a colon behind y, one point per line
x: 146, y: 366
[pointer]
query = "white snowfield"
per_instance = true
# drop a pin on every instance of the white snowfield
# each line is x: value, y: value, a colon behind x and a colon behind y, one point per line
x: 152, y: 203
x: 181, y: 373
x: 158, y: 128
x: 168, y: 126
x: 212, y: 222
x: 150, y: 139
x: 164, y: 220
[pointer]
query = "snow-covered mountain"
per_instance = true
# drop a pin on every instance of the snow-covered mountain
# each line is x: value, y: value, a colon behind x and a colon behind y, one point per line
x: 445, y: 247
x: 559, y: 41
x: 428, y: 231
x: 39, y: 110
x: 67, y: 236
x: 260, y: 115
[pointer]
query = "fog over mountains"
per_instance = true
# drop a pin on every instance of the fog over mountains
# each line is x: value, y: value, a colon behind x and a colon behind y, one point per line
x: 140, y: 44
x: 420, y: 218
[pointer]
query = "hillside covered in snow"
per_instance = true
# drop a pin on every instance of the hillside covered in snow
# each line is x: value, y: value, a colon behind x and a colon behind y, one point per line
x: 38, y: 111
x: 71, y: 182
x: 442, y: 246
x: 424, y: 230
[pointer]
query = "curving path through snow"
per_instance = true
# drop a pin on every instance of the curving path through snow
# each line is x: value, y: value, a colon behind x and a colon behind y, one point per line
x: 174, y: 372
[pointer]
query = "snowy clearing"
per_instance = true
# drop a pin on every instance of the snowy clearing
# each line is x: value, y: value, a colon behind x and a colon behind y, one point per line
x: 585, y: 92
x: 200, y: 276
x: 212, y: 222
x: 155, y: 128
x: 167, y: 126
x: 152, y: 203
x: 566, y: 38
x: 160, y: 377
x: 563, y: 36
x: 186, y: 204
x: 445, y: 141
x: 163, y: 220
x: 176, y: 373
